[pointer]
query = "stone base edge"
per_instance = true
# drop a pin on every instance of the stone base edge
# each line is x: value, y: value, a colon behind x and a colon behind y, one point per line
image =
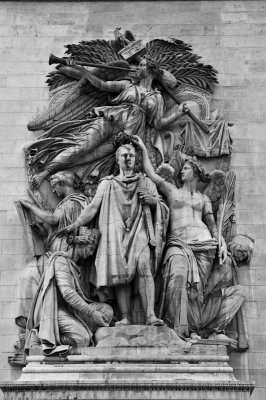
x: 229, y: 386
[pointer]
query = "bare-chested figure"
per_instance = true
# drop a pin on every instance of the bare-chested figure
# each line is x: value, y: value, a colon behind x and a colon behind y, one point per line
x: 191, y: 249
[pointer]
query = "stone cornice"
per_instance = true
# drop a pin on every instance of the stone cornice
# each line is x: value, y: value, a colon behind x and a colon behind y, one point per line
x: 237, y: 386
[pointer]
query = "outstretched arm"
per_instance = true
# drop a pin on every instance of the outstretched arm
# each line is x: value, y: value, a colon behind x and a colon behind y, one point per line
x: 87, y: 214
x: 107, y: 86
x: 45, y: 216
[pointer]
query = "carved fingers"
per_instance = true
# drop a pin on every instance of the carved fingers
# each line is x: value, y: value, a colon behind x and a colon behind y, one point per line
x: 146, y: 198
x: 26, y: 203
x: 138, y: 141
x: 99, y: 319
x: 66, y: 230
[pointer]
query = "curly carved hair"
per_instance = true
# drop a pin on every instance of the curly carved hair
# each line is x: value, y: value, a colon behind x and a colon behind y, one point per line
x: 85, y: 237
x: 153, y: 66
x: 198, y: 170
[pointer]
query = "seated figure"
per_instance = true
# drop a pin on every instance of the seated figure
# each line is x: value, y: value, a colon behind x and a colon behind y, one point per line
x: 60, y: 311
x: 67, y: 211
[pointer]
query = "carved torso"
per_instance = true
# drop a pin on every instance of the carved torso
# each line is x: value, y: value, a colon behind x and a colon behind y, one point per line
x: 186, y: 212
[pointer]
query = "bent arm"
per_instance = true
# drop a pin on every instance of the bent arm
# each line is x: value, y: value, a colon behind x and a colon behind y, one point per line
x: 211, y: 224
x: 161, y: 123
x: 164, y: 187
x: 147, y: 165
x: 91, y: 210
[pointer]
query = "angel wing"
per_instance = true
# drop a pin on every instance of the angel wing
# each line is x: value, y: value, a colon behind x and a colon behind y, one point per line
x: 177, y: 57
x: 73, y: 98
x: 226, y: 211
x: 215, y: 188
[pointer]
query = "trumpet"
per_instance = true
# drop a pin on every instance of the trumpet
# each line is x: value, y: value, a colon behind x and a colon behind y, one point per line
x: 57, y: 60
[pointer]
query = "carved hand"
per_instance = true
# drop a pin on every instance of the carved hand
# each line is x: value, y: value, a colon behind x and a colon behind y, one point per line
x: 223, y: 252
x: 139, y: 142
x: 27, y: 203
x: 99, y: 319
x: 182, y: 109
x: 67, y: 229
x: 70, y: 62
x: 146, y: 198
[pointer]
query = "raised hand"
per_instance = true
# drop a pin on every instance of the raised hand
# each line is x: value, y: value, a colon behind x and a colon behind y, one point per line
x: 138, y: 141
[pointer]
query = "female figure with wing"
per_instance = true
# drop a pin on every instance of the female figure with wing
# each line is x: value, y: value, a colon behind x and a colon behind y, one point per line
x: 137, y: 107
x: 187, y: 305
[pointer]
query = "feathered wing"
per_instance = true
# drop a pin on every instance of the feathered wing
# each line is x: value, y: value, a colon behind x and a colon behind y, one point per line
x: 73, y: 98
x: 177, y: 57
x: 215, y: 188
x: 226, y: 211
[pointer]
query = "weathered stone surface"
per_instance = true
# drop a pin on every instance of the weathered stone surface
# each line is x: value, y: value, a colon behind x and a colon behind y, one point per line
x: 139, y: 336
x: 27, y: 33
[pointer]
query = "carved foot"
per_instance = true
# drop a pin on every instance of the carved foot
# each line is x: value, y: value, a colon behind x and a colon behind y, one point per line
x: 124, y: 321
x: 220, y: 337
x: 154, y: 321
x: 38, y: 178
x: 195, y: 336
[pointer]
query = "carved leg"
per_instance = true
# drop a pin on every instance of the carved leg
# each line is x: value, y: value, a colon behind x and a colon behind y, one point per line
x: 72, y: 331
x: 123, y: 293
x: 219, y: 312
x: 146, y: 288
x: 175, y: 294
x: 88, y: 145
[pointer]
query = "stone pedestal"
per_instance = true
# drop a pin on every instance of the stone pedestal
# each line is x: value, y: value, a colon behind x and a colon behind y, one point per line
x: 129, y: 363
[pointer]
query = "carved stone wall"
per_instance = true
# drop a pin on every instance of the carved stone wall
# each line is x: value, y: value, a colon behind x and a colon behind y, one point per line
x: 230, y: 35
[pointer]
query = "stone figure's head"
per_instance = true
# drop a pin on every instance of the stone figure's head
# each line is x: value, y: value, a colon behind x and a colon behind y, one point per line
x: 60, y: 180
x: 166, y: 172
x: 241, y: 248
x: 84, y: 242
x: 125, y: 157
x: 191, y: 170
x: 90, y: 184
x: 148, y: 66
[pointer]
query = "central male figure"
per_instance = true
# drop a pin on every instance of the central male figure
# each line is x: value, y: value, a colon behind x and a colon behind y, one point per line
x: 133, y: 222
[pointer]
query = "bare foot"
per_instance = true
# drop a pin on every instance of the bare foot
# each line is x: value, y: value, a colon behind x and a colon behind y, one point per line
x: 38, y: 178
x: 219, y: 337
x: 195, y: 336
x: 124, y: 321
x: 154, y: 321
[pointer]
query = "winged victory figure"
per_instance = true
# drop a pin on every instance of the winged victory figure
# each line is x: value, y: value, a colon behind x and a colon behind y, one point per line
x: 91, y: 107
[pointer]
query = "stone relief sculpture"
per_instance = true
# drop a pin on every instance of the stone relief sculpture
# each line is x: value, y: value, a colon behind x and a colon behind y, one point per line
x: 60, y: 310
x: 119, y: 114
x: 69, y: 208
x: 197, y: 299
x: 133, y: 222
